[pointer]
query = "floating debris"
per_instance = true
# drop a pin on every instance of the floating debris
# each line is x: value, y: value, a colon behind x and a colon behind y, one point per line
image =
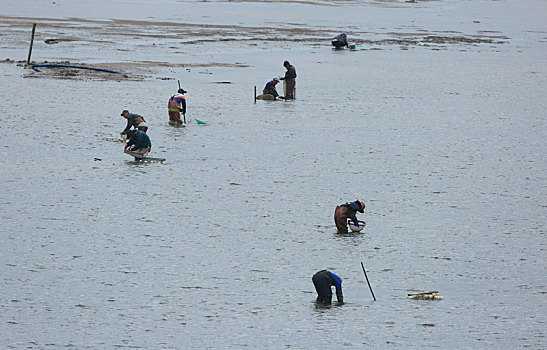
x: 114, y: 139
x: 152, y: 160
x: 431, y: 295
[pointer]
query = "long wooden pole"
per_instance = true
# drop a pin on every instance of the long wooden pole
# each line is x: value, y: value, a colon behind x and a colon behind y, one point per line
x: 184, y: 114
x: 31, y: 42
x: 368, y: 281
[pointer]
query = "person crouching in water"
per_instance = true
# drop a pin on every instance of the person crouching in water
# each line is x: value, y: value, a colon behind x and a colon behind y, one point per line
x: 269, y: 89
x: 133, y: 120
x: 323, y: 281
x: 347, y: 211
x: 138, y: 145
x: 340, y: 41
x: 176, y: 106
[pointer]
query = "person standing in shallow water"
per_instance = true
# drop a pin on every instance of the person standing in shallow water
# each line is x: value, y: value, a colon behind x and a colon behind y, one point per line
x: 176, y: 106
x: 347, y: 211
x: 323, y: 281
x: 290, y: 80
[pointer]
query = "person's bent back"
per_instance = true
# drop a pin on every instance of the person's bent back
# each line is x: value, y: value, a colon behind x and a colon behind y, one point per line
x: 323, y: 281
x: 269, y: 89
x: 138, y: 145
x: 340, y: 41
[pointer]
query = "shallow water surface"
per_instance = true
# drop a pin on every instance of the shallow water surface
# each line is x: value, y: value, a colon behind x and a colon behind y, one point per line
x: 216, y: 248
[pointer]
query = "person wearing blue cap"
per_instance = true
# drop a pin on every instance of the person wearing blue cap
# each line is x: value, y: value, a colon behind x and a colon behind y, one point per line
x: 323, y: 281
x: 340, y: 41
x: 269, y: 89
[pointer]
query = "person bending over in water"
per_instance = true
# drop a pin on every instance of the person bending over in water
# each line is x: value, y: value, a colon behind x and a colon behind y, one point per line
x: 323, y: 281
x: 340, y: 41
x: 269, y: 89
x: 133, y: 120
x: 138, y: 145
x: 345, y: 211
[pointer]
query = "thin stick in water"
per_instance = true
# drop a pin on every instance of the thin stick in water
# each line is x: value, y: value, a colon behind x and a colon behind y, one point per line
x: 31, y: 42
x: 368, y: 281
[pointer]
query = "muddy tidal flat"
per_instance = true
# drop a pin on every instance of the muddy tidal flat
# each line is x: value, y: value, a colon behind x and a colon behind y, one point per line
x: 437, y: 121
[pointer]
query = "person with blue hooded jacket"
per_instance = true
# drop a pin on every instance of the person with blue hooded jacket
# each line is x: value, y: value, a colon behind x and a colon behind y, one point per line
x: 347, y: 211
x: 323, y: 281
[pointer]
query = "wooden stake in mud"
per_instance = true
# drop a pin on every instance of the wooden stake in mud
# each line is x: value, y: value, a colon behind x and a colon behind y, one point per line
x: 183, y: 115
x: 31, y: 42
x: 255, y: 94
x: 368, y: 281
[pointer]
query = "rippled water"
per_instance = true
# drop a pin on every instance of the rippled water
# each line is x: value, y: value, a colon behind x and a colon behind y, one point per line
x: 216, y: 248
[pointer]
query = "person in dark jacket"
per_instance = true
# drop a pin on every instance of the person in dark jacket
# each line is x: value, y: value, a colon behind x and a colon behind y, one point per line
x: 290, y: 80
x: 133, y: 120
x: 270, y: 88
x: 323, y: 281
x: 138, y: 145
x: 340, y: 41
x: 347, y: 211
